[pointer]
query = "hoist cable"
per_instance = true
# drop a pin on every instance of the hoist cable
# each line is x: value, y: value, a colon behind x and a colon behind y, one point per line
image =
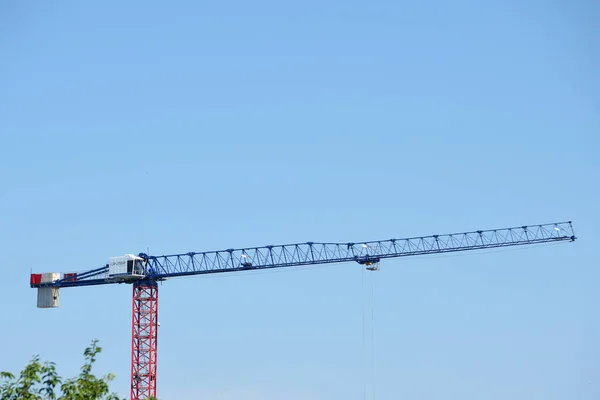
x: 373, y: 335
x: 363, y: 353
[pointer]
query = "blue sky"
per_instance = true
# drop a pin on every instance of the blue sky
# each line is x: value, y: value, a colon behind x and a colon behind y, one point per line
x: 192, y: 127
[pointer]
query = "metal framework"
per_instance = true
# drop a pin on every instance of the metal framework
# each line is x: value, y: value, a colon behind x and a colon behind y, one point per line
x: 144, y: 339
x: 369, y: 253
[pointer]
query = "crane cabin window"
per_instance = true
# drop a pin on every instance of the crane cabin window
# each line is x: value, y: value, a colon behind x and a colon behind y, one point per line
x: 130, y: 264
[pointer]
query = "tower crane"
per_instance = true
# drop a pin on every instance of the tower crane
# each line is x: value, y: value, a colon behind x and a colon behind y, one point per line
x: 144, y: 271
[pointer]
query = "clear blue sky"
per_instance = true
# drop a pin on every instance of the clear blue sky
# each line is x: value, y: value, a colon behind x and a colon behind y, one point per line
x: 192, y: 126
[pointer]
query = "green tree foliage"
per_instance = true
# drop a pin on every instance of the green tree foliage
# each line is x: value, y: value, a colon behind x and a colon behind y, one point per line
x: 39, y: 381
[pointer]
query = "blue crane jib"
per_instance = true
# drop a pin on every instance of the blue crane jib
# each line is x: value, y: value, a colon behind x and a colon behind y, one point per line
x: 132, y: 268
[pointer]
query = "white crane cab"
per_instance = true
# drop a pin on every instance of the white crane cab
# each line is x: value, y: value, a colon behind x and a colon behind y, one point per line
x: 127, y: 267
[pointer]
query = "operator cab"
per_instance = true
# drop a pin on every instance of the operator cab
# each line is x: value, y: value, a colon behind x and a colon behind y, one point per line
x: 127, y: 267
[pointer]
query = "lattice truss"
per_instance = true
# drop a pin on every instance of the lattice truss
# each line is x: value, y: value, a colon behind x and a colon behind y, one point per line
x: 144, y: 340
